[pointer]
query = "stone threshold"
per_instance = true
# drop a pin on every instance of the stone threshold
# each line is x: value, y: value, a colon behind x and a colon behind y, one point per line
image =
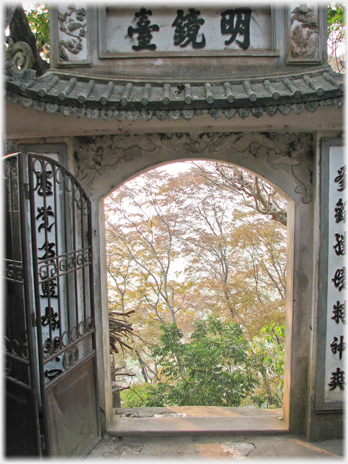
x: 196, y: 421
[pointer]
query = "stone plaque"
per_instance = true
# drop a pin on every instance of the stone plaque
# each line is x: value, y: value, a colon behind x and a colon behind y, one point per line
x: 332, y: 301
x: 154, y: 31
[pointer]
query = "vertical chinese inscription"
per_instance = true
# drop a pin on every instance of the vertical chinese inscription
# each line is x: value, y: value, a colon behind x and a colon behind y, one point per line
x: 46, y: 249
x: 336, y: 295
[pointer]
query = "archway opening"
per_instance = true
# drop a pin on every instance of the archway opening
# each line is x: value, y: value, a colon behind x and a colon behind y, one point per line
x: 196, y: 261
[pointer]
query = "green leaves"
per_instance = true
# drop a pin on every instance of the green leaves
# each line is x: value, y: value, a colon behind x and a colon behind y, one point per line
x: 335, y: 16
x: 336, y: 35
x: 210, y: 368
x: 267, y: 360
x: 39, y: 24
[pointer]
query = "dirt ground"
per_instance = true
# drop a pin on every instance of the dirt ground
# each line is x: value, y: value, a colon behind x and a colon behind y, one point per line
x: 204, y: 448
x: 192, y: 433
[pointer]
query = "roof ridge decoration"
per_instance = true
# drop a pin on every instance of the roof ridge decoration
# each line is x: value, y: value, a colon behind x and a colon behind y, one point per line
x: 20, y: 55
x: 97, y: 155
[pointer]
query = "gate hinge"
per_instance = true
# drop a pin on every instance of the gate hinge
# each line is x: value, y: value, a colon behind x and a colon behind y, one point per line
x: 33, y: 319
x: 26, y: 191
x: 43, y: 442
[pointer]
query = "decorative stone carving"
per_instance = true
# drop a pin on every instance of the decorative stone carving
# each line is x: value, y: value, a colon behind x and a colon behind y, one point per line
x: 65, y: 110
x: 284, y: 109
x: 230, y: 113
x: 72, y: 33
x: 10, y: 147
x: 92, y: 113
x: 21, y: 56
x: 257, y: 112
x: 293, y: 153
x: 39, y: 106
x: 311, y: 106
x: 215, y: 113
x: 79, y: 112
x: 119, y: 115
x: 52, y: 108
x: 98, y: 155
x: 304, y: 33
x: 243, y: 112
x: 106, y: 114
x: 26, y: 102
x: 188, y: 114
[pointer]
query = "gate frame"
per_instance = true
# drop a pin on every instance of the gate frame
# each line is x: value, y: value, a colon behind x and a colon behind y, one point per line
x: 300, y: 217
x: 303, y: 249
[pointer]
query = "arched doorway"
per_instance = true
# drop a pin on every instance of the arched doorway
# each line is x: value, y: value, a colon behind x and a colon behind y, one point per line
x: 283, y: 159
x: 186, y: 257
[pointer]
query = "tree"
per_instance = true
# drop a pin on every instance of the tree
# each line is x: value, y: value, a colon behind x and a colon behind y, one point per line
x: 187, y: 219
x: 180, y: 249
x: 38, y: 19
x: 336, y: 36
x: 120, y: 330
x: 266, y: 355
x: 237, y: 256
x: 256, y: 193
x: 211, y: 368
x: 143, y: 228
x: 141, y: 249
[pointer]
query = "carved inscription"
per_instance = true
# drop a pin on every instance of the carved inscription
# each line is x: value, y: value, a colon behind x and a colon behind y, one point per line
x: 187, y: 30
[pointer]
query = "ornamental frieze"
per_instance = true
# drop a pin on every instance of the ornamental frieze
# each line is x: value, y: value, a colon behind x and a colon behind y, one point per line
x: 293, y: 153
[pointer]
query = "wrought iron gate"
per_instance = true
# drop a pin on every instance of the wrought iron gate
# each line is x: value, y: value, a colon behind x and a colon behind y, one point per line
x: 22, y: 397
x: 59, y: 277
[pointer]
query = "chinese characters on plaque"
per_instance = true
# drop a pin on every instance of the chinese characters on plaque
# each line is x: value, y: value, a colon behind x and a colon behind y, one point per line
x: 152, y: 31
x: 336, y: 295
x: 234, y: 23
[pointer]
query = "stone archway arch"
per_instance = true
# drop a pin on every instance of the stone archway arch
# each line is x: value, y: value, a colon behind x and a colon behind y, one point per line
x: 285, y: 160
x: 104, y: 163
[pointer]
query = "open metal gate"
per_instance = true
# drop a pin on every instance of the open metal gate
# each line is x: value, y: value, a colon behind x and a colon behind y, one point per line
x: 22, y: 397
x: 57, y: 315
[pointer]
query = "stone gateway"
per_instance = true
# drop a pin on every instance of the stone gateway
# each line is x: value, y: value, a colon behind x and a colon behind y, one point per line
x: 130, y: 89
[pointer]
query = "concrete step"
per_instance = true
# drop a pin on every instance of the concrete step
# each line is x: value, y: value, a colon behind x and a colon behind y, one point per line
x: 199, y: 421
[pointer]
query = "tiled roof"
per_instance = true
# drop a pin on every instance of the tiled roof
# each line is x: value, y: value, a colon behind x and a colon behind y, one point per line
x: 104, y: 97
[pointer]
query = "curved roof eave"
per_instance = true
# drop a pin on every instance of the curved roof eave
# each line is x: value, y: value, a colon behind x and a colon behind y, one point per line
x: 104, y: 97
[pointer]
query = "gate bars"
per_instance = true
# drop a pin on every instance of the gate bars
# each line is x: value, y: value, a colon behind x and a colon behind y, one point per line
x: 62, y: 258
x: 62, y: 277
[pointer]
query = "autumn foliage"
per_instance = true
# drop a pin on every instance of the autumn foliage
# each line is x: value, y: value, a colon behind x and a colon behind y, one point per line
x: 186, y: 250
